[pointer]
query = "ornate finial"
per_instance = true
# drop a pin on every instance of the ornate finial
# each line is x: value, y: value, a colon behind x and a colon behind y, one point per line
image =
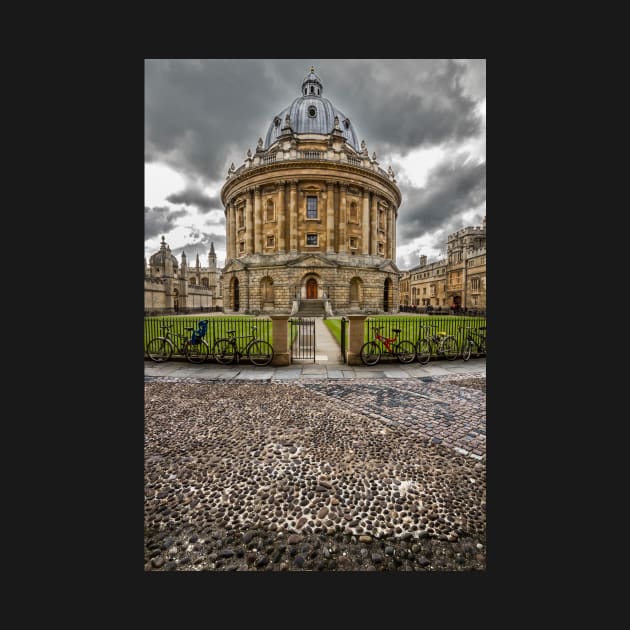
x: 312, y: 68
x: 336, y: 122
x: 232, y: 167
x: 260, y: 143
x: 163, y: 243
x: 364, y: 150
x: 287, y: 120
x: 374, y: 156
x: 249, y: 153
x: 390, y: 171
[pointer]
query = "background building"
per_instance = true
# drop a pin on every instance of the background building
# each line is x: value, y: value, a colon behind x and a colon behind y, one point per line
x: 310, y: 217
x: 459, y: 281
x: 171, y: 287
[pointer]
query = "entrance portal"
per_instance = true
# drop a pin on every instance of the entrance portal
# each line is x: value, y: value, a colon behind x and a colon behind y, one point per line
x: 311, y: 289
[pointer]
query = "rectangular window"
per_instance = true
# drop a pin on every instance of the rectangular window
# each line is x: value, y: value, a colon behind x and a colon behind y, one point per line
x: 311, y: 239
x: 424, y: 291
x: 381, y: 249
x: 270, y: 241
x: 241, y: 217
x: 353, y: 243
x: 311, y: 207
x: 241, y: 246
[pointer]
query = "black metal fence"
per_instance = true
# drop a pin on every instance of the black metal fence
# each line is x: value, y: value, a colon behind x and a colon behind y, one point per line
x: 443, y: 310
x: 217, y: 327
x: 302, y: 338
x: 411, y: 328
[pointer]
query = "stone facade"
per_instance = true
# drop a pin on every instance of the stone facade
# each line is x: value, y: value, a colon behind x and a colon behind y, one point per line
x: 457, y: 281
x: 310, y: 216
x: 171, y: 287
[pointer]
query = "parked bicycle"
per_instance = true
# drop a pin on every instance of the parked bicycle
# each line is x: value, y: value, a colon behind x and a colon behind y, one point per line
x: 195, y: 348
x: 258, y: 351
x: 371, y: 352
x: 473, y: 338
x: 438, y: 343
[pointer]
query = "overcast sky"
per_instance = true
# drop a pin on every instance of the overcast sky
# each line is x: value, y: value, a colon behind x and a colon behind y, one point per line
x: 425, y: 118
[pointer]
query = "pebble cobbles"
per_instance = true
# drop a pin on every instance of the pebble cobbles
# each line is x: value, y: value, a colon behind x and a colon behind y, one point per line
x: 315, y: 475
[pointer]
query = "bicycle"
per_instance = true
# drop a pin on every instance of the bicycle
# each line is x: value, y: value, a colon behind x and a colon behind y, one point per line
x: 195, y: 349
x: 258, y: 351
x: 371, y: 352
x: 473, y: 337
x: 440, y: 342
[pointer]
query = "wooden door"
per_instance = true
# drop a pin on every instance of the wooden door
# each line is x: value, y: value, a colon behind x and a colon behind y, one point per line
x: 311, y: 289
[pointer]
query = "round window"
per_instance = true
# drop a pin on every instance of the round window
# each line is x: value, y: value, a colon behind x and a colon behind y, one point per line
x: 312, y: 111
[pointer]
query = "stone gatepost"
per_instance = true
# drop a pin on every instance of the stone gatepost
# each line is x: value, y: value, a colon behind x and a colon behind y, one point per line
x: 281, y: 354
x: 355, y: 338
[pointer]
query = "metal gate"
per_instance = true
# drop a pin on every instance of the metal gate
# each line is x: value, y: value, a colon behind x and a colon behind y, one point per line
x: 302, y: 338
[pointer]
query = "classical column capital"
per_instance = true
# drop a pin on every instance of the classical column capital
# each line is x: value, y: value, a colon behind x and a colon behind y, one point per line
x: 330, y: 183
x: 257, y: 190
x: 293, y: 184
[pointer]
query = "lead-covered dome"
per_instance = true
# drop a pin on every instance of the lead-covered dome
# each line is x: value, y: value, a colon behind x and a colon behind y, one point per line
x: 312, y: 113
x: 159, y: 258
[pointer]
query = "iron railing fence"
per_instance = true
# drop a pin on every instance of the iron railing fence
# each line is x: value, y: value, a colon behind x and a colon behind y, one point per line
x: 217, y: 328
x: 411, y: 328
x: 302, y: 338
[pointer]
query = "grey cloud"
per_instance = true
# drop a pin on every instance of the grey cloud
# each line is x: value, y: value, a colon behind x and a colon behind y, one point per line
x: 195, y: 197
x: 160, y: 220
x: 203, y: 115
x: 199, y: 243
x: 451, y: 189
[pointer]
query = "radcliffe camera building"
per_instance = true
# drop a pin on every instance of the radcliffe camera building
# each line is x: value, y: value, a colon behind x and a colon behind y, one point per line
x: 310, y: 217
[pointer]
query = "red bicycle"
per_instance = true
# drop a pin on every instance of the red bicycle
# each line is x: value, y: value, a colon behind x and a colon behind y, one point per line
x: 371, y: 352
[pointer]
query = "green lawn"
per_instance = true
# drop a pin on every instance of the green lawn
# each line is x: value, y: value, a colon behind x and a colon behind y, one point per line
x: 334, y: 325
x: 217, y: 327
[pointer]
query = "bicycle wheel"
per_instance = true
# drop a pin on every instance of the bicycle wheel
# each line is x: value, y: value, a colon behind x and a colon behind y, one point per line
x: 370, y: 353
x: 197, y: 352
x: 159, y: 349
x: 405, y: 351
x: 449, y: 348
x: 423, y: 351
x: 260, y: 353
x: 466, y: 349
x: 223, y: 351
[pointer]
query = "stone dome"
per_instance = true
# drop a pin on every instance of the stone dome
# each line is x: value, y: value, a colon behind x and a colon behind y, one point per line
x: 312, y: 113
x: 159, y: 258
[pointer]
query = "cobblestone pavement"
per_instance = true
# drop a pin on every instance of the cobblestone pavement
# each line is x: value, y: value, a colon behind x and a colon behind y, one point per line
x: 380, y: 474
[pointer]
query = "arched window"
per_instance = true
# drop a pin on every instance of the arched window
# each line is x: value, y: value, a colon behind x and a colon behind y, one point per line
x: 204, y: 281
x: 266, y: 289
x: 270, y: 211
x: 192, y: 281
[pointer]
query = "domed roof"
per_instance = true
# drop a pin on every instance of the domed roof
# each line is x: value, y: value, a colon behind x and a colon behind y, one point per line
x: 159, y: 258
x: 312, y: 113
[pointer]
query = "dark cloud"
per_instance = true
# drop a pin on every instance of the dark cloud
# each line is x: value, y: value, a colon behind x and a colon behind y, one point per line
x: 196, y: 197
x: 451, y: 189
x: 160, y: 220
x: 198, y: 242
x: 203, y: 115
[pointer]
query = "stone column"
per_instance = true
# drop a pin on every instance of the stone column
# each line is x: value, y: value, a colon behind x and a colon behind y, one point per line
x: 258, y: 235
x: 234, y: 237
x: 343, y: 246
x: 249, y: 223
x: 228, y: 233
x: 394, y: 212
x: 355, y: 338
x: 293, y: 236
x: 388, y: 232
x: 365, y: 220
x: 281, y: 216
x: 374, y: 226
x: 281, y: 354
x: 330, y: 217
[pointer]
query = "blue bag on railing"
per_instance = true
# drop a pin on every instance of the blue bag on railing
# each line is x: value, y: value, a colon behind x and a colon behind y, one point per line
x: 200, y: 332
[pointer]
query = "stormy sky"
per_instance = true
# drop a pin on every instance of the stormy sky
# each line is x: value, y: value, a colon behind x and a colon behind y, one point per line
x: 425, y: 118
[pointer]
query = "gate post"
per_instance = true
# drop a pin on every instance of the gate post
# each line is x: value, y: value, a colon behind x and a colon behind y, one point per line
x: 355, y: 339
x: 281, y: 354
